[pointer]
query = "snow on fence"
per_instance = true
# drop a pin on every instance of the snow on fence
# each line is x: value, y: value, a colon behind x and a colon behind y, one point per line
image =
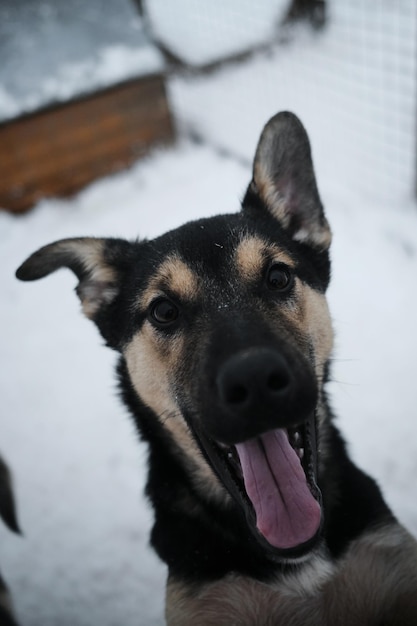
x: 353, y: 83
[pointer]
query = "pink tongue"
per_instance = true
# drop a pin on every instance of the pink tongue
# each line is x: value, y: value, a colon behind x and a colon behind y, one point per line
x: 287, y: 514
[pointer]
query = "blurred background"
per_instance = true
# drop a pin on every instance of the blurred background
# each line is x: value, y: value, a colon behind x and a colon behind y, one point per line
x: 125, y: 118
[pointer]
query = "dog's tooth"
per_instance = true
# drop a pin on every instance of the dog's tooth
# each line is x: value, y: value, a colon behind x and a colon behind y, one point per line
x: 296, y: 439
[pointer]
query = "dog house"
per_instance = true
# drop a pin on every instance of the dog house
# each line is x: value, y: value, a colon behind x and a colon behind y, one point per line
x: 82, y: 95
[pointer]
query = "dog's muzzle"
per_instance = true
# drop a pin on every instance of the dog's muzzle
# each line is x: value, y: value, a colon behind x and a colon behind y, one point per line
x: 262, y: 445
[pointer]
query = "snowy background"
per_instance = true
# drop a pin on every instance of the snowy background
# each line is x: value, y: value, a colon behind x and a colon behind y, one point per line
x: 52, y: 50
x: 78, y: 467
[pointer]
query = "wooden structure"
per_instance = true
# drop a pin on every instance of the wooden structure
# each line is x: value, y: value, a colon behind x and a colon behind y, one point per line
x: 58, y: 150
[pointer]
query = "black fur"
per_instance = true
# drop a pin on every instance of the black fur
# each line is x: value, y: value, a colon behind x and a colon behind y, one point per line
x: 216, y: 542
x: 6, y: 618
x: 238, y: 364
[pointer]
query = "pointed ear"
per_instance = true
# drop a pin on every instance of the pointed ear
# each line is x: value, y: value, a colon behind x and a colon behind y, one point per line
x: 283, y: 177
x: 97, y: 263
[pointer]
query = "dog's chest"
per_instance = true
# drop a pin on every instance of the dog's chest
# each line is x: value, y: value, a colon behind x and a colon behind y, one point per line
x: 242, y: 601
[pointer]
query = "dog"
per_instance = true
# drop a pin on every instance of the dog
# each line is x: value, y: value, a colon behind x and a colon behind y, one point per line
x: 225, y: 341
x: 9, y: 517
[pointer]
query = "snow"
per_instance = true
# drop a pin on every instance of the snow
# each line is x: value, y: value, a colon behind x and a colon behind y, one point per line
x: 53, y: 51
x: 211, y: 31
x: 353, y: 86
x: 78, y: 466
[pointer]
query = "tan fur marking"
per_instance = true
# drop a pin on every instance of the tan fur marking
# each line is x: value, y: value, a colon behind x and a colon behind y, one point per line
x: 251, y: 254
x: 151, y: 364
x: 319, y: 326
x: 176, y: 274
x: 270, y: 194
x: 91, y: 252
x: 309, y: 315
x: 148, y: 371
x: 317, y: 234
x: 250, y: 257
x: 102, y: 278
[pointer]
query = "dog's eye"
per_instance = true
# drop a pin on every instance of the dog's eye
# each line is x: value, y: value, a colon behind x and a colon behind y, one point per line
x: 163, y: 312
x: 279, y: 277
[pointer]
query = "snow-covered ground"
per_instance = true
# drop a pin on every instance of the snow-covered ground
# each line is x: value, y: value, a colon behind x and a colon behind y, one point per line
x: 79, y: 469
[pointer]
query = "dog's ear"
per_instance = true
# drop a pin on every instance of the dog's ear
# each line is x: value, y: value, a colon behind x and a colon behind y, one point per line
x: 99, y: 265
x: 283, y: 178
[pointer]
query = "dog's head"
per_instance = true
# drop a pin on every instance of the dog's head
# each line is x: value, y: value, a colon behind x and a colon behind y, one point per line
x: 225, y: 334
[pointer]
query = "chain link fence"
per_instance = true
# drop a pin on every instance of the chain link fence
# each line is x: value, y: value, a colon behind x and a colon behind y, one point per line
x: 352, y: 82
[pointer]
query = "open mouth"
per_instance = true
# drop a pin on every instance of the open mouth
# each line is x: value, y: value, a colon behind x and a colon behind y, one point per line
x: 273, y: 476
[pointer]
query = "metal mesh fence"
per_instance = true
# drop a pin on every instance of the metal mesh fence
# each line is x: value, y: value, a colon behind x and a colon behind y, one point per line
x: 352, y: 83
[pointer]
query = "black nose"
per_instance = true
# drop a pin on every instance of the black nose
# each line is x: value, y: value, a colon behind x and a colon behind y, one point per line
x: 254, y: 381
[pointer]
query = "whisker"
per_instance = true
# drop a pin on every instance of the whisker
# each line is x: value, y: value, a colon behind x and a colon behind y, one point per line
x: 167, y: 415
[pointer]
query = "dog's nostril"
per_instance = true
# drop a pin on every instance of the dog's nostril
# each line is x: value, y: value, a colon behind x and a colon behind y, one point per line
x: 254, y: 380
x: 236, y: 394
x: 277, y: 381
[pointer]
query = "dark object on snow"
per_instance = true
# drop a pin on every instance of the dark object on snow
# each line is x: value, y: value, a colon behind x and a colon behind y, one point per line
x: 8, y: 515
x: 312, y: 11
x: 6, y: 611
x: 7, y: 502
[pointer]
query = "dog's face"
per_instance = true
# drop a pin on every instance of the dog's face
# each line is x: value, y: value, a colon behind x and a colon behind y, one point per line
x: 224, y: 329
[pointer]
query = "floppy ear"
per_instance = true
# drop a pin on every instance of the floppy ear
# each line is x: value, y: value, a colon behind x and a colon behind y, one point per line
x: 283, y: 177
x: 97, y: 263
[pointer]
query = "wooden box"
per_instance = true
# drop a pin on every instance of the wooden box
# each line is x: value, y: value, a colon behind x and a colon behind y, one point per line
x: 58, y: 150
